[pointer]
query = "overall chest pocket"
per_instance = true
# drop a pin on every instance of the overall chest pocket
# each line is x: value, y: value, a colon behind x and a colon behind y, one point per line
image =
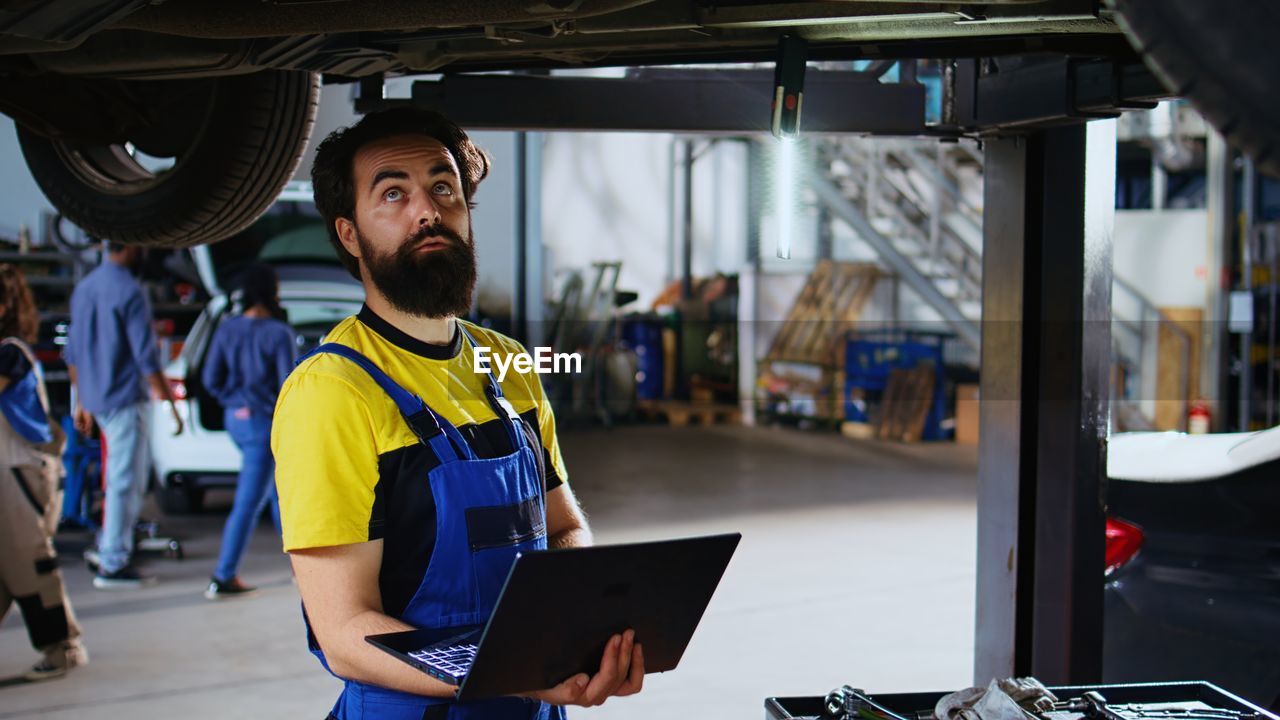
x: 498, y: 526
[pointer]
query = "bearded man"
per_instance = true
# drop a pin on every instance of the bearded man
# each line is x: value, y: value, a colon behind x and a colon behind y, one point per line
x: 408, y: 482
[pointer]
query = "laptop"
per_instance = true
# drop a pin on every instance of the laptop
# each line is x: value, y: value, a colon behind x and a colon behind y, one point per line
x: 558, y: 609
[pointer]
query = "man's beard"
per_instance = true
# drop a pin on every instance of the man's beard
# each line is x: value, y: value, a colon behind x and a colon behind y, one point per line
x: 433, y: 284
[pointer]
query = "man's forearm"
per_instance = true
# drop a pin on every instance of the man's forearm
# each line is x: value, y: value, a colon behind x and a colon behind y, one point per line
x: 356, y: 659
x: 570, y: 537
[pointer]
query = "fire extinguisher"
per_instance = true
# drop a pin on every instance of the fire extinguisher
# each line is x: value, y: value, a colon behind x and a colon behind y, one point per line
x: 1199, y: 418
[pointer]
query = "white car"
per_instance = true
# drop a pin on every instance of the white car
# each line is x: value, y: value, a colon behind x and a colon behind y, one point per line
x: 315, y: 295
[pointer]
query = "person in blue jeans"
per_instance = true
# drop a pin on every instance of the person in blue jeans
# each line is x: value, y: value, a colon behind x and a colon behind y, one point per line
x: 112, y: 360
x: 249, y: 357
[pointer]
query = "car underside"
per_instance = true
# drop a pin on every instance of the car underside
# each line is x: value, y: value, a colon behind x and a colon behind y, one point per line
x: 348, y: 38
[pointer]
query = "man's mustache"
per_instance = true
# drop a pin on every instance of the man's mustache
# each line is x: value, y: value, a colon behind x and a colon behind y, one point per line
x: 431, y: 232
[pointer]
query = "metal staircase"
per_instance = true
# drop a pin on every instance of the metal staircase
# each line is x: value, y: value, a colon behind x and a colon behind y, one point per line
x: 917, y: 203
x: 907, y: 199
x: 1140, y: 360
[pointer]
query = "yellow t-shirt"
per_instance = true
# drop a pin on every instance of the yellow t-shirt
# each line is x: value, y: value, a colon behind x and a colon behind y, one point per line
x: 348, y: 467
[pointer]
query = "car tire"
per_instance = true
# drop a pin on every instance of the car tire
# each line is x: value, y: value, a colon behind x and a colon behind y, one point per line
x: 230, y: 162
x: 1221, y: 57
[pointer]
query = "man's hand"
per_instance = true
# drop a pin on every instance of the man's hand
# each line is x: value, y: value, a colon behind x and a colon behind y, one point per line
x: 160, y: 390
x: 83, y: 421
x: 621, y: 673
x: 177, y: 417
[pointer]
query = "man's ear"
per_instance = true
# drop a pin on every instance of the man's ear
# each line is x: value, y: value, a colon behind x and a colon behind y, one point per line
x: 347, y: 235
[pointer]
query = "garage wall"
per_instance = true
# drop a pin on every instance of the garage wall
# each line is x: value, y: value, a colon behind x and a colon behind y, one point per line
x: 1164, y: 254
x: 606, y: 197
x: 615, y: 197
x: 21, y: 203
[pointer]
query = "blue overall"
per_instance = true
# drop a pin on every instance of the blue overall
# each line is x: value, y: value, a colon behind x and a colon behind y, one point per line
x: 463, y: 578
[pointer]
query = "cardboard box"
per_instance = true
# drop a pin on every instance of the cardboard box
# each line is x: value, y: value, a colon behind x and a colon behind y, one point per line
x: 967, y: 414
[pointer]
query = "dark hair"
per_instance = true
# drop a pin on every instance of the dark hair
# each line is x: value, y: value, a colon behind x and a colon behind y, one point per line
x: 18, y: 314
x: 259, y: 285
x: 115, y: 247
x: 331, y: 173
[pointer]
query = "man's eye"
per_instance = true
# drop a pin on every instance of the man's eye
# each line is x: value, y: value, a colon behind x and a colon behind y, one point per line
x: 392, y: 195
x: 444, y: 189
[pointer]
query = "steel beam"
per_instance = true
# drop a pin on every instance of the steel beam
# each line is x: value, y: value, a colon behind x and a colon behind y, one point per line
x: 1013, y: 94
x: 690, y: 101
x: 1045, y: 359
x: 1028, y: 92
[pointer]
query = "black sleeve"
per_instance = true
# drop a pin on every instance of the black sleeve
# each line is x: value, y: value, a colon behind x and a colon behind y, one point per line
x: 13, y: 362
x: 550, y: 478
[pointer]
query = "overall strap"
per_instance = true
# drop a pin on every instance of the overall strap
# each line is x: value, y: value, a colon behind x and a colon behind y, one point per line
x: 500, y: 405
x: 430, y: 428
x: 41, y: 393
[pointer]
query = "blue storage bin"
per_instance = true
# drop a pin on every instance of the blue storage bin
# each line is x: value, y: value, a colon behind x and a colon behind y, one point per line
x: 871, y: 356
x: 643, y: 334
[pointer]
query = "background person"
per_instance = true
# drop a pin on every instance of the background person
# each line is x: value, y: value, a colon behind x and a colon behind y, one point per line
x: 30, y: 502
x: 248, y: 360
x: 111, y: 358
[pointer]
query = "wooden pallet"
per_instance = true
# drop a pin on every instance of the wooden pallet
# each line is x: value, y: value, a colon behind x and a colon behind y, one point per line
x: 906, y: 402
x: 829, y: 304
x: 680, y: 414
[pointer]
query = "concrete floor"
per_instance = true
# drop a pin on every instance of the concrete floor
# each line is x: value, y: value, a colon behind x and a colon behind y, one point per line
x: 856, y: 566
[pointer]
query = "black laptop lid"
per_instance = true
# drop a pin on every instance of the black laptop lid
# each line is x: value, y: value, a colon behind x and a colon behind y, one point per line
x: 559, y: 608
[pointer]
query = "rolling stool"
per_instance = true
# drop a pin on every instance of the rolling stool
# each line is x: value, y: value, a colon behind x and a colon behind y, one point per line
x: 84, y: 459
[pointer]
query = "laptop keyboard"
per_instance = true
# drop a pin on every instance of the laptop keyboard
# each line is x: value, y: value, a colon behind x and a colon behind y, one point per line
x: 453, y: 659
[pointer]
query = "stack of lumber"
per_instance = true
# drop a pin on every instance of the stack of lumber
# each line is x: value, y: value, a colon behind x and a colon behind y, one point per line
x: 829, y: 305
x: 827, y: 308
x: 906, y: 402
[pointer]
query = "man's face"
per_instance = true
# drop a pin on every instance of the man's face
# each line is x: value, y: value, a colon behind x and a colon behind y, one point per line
x: 412, y: 227
x: 131, y: 258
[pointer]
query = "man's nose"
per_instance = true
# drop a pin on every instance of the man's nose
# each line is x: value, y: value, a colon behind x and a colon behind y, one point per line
x: 428, y: 212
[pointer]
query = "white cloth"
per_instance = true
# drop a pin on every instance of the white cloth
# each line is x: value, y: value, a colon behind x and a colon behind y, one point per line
x: 1001, y: 700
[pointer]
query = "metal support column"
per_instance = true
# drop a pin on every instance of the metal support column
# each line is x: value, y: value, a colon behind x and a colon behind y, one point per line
x: 1220, y: 191
x: 520, y: 293
x: 533, y: 303
x: 749, y: 285
x: 1248, y: 191
x: 1046, y: 351
x: 686, y: 234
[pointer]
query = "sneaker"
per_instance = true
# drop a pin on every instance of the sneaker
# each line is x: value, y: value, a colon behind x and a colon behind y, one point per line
x: 44, y: 670
x: 57, y: 662
x: 126, y: 578
x: 223, y: 589
x: 92, y: 560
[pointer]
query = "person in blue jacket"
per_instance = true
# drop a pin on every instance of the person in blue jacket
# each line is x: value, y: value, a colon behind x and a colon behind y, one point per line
x: 249, y: 357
